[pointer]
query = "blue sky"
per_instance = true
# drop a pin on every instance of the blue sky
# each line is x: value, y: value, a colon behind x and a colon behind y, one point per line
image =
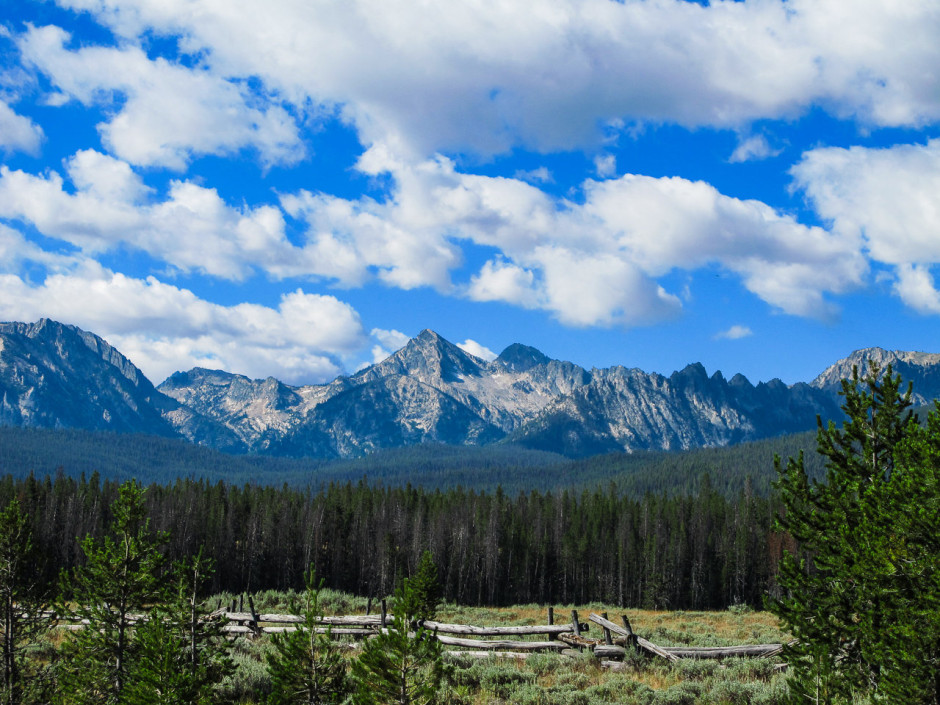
x: 295, y: 188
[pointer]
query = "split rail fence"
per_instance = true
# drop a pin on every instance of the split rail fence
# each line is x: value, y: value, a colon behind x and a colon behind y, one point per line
x: 476, y: 641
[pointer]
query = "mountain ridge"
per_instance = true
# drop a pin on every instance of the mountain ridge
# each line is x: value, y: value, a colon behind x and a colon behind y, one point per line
x: 430, y: 391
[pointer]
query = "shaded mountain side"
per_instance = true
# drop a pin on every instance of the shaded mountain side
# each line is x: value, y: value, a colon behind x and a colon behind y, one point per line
x: 431, y: 466
x: 59, y: 376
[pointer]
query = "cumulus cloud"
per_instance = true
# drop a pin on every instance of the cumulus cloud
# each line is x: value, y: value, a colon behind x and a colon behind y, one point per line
x: 18, y: 133
x: 555, y: 75
x: 163, y: 328
x: 887, y: 198
x: 588, y: 263
x: 477, y: 350
x: 753, y: 148
x: 169, y: 112
x: 735, y: 332
x: 389, y: 341
x: 193, y: 229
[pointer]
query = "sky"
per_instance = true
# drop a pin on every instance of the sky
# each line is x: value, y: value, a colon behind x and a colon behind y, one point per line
x: 293, y: 188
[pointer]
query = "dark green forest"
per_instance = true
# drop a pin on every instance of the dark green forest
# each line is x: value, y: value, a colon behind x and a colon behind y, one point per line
x: 514, y: 469
x: 698, y: 551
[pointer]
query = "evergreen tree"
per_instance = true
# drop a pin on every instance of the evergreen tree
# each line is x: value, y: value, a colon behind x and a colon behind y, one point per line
x: 307, y: 667
x: 123, y: 575
x: 423, y: 596
x: 23, y: 609
x: 861, y: 596
x: 399, y: 666
x: 181, y: 651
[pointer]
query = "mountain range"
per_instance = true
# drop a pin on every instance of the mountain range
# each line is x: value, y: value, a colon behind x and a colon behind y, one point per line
x: 54, y: 375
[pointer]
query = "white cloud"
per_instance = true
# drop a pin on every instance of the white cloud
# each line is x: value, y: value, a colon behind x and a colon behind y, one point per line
x: 753, y: 148
x: 540, y: 175
x: 163, y: 328
x: 887, y: 198
x: 18, y: 133
x: 735, y: 332
x: 605, y: 165
x: 552, y: 74
x: 169, y: 112
x: 389, y: 341
x: 590, y: 263
x: 192, y: 230
x: 915, y: 285
x: 477, y: 350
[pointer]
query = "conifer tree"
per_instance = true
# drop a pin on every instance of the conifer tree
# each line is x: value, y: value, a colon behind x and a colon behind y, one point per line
x: 423, y: 596
x: 181, y: 652
x: 861, y: 596
x: 23, y: 609
x: 307, y: 667
x: 122, y: 576
x: 399, y: 666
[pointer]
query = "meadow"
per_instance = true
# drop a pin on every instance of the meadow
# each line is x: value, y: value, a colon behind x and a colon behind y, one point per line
x: 554, y: 679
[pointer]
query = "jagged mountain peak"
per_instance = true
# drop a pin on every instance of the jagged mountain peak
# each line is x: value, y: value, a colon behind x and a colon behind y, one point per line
x: 521, y: 358
x: 920, y: 368
x: 427, y: 357
x: 57, y: 375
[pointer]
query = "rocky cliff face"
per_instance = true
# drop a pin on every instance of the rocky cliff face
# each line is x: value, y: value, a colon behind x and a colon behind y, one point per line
x: 53, y: 375
x: 58, y: 376
x: 431, y: 390
x: 922, y: 369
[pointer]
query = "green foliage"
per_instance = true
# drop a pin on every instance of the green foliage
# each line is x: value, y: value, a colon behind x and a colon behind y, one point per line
x: 22, y: 606
x: 422, y: 595
x: 863, y: 595
x: 398, y: 666
x: 122, y: 576
x: 181, y: 655
x: 307, y: 667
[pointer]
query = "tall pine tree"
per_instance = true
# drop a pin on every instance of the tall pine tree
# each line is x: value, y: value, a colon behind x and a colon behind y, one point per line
x: 181, y: 653
x: 398, y: 665
x: 864, y: 582
x: 306, y: 666
x: 24, y: 618
x: 122, y: 577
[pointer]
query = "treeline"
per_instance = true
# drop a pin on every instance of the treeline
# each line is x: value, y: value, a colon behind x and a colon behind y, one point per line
x: 700, y: 551
x: 151, y: 459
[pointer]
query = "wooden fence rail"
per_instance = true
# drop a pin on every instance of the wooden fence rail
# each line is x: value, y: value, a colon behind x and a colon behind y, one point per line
x: 564, y: 638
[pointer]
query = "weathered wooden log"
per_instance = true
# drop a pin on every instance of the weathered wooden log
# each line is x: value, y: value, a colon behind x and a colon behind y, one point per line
x: 497, y: 631
x: 603, y: 651
x: 643, y: 643
x: 518, y: 655
x: 498, y: 644
x: 334, y: 631
x: 718, y: 652
x: 353, y: 620
x: 578, y: 641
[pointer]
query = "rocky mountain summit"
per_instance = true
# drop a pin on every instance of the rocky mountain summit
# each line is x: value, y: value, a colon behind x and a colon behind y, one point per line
x: 53, y: 375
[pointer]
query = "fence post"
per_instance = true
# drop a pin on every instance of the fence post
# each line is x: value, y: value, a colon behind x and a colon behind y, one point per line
x: 384, y: 613
x: 607, y: 639
x: 575, y: 624
x: 551, y: 620
x: 631, y: 637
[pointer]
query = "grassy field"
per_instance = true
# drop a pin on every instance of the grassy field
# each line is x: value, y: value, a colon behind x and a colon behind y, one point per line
x: 548, y: 679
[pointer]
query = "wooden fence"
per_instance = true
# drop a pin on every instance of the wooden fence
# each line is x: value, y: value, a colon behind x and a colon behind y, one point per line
x: 568, y: 638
